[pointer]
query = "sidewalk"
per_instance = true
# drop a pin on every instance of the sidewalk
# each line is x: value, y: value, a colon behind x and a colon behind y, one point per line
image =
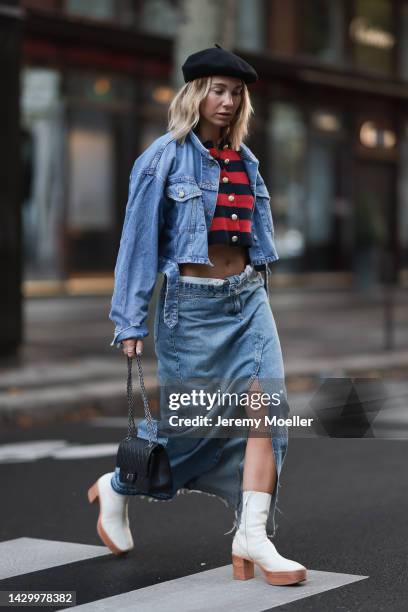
x: 68, y: 370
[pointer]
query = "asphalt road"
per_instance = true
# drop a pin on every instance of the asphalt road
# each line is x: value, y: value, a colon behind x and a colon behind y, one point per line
x: 343, y: 509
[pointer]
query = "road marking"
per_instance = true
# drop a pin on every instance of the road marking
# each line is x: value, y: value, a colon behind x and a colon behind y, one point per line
x: 209, y: 590
x: 29, y: 451
x: 20, y: 452
x: 216, y: 590
x: 88, y: 450
x: 110, y: 421
x: 26, y: 555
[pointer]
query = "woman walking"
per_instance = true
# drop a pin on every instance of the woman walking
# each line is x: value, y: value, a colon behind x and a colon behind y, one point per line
x: 198, y: 211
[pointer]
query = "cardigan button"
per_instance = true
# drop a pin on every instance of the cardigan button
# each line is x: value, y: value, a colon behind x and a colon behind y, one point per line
x: 234, y: 238
x: 234, y: 217
x: 225, y: 179
x: 231, y: 198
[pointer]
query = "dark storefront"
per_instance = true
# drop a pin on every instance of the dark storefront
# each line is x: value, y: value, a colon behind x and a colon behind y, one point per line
x: 94, y: 94
x: 330, y: 128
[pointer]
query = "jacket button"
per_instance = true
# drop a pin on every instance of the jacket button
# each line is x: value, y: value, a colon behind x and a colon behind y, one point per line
x: 231, y: 198
x: 234, y: 217
x: 181, y: 194
x: 234, y: 238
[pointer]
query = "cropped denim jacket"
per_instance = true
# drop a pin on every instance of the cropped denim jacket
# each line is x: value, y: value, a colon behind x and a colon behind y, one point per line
x: 172, y: 197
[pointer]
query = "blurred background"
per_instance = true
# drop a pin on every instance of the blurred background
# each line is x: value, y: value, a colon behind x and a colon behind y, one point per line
x: 330, y: 125
x: 86, y: 88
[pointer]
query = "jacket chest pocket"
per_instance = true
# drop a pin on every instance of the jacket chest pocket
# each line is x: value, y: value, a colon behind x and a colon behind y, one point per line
x: 263, y: 206
x: 186, y: 198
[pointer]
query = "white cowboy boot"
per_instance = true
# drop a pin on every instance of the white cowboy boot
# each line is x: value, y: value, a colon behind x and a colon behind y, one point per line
x: 252, y: 545
x: 113, y: 521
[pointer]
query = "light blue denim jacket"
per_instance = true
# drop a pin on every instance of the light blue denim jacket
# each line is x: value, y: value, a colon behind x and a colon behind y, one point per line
x: 172, y: 197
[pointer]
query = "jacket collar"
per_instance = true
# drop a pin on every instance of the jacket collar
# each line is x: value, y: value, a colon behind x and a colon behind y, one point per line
x: 209, y: 144
x: 244, y: 150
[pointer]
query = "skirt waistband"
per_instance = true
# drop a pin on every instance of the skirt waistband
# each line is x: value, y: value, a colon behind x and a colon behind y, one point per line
x: 228, y: 285
x: 174, y: 286
x: 201, y: 280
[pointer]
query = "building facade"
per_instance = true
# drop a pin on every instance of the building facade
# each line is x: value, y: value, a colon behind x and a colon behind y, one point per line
x: 330, y: 126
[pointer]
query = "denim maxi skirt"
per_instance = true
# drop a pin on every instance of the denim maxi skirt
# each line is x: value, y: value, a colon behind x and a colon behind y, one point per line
x: 224, y: 339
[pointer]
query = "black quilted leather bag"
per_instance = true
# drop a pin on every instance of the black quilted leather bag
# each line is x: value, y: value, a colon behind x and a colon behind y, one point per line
x: 143, y: 464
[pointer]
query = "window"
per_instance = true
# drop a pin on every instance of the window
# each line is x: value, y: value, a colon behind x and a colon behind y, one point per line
x: 320, y: 29
x: 403, y: 197
x: 287, y: 143
x: 47, y: 6
x: 312, y: 28
x: 158, y: 17
x: 152, y: 16
x: 250, y: 32
x: 110, y: 10
x: 403, y: 42
x: 372, y: 36
x: 42, y: 137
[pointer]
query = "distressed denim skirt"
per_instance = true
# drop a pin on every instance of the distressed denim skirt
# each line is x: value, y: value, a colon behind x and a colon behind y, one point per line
x: 220, y: 372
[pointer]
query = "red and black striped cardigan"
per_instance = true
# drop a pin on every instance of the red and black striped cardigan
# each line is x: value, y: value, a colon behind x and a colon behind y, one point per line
x: 232, y: 219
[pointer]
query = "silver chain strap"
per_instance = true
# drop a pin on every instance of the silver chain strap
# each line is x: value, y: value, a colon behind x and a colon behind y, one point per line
x: 132, y: 431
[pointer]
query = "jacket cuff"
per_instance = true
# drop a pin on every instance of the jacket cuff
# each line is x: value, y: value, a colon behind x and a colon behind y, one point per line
x: 133, y: 331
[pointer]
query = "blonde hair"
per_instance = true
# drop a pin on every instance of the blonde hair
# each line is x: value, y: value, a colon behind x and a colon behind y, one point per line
x: 184, y: 114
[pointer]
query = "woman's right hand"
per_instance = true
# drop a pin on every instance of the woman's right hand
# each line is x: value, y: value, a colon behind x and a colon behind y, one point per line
x: 131, y: 346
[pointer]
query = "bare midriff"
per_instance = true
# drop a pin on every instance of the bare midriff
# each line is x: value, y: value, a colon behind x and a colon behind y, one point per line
x: 227, y: 260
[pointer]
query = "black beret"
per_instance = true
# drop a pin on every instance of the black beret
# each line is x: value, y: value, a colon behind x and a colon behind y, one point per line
x: 217, y: 60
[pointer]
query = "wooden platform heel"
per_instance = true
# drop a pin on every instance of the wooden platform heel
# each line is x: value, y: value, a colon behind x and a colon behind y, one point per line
x: 243, y: 569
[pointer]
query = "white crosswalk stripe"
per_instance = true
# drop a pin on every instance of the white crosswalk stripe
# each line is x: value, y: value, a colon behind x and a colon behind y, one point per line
x: 24, y: 555
x: 215, y: 590
x: 20, y: 452
x: 82, y: 451
x: 29, y: 451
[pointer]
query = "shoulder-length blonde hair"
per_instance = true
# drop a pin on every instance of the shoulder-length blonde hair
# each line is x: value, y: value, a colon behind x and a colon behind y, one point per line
x: 184, y: 114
